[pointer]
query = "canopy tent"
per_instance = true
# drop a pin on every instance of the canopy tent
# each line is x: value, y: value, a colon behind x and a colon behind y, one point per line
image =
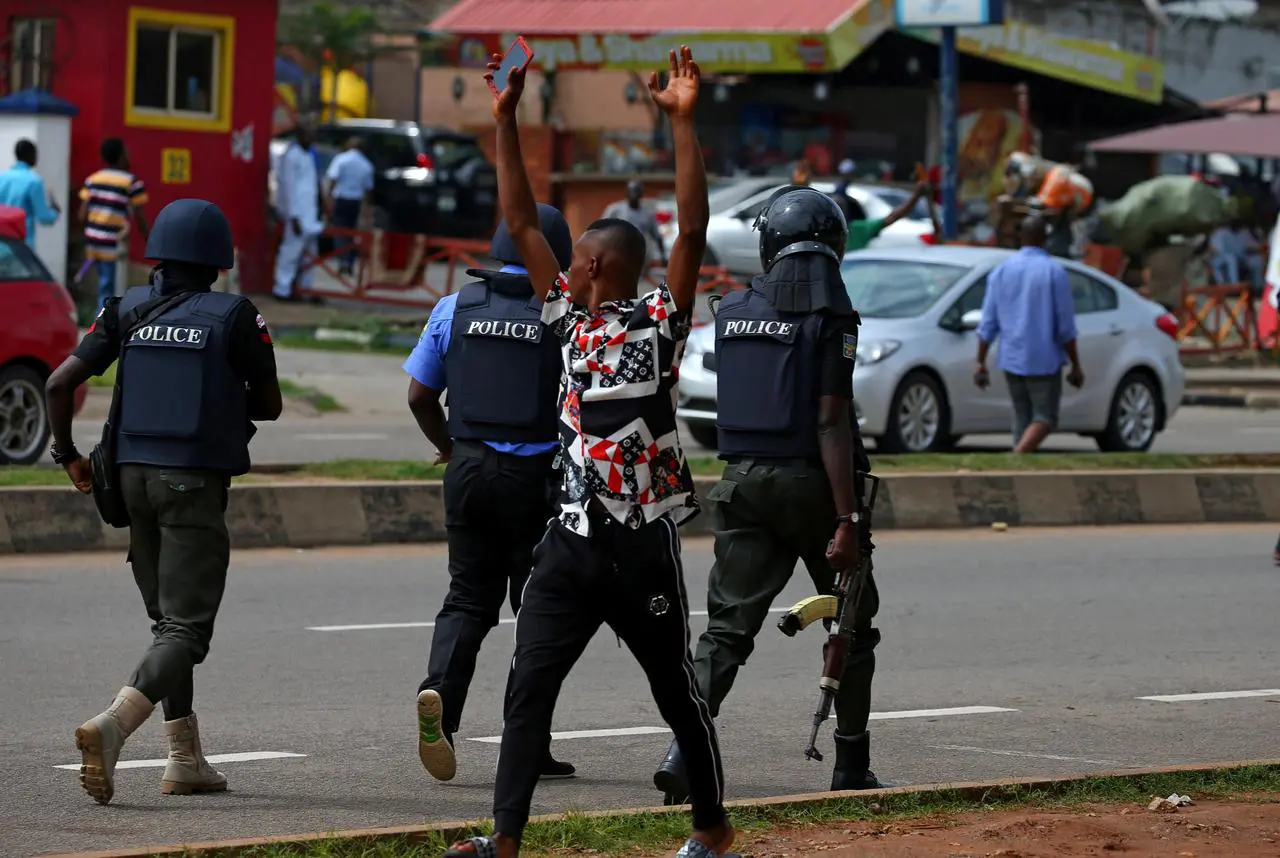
x: 1253, y: 135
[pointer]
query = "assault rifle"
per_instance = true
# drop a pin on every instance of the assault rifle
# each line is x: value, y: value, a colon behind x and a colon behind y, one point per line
x: 839, y: 610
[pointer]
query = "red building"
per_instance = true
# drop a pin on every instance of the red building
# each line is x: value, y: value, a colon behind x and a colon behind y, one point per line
x: 187, y: 84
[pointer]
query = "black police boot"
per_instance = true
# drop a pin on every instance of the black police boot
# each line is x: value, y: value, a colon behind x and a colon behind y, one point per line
x: 670, y: 778
x: 853, y: 764
x: 553, y: 770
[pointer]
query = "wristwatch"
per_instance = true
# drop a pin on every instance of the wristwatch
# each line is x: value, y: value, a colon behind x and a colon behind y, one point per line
x: 852, y: 518
x: 61, y: 457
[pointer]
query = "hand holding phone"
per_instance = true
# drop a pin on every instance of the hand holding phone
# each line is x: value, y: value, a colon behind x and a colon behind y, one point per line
x: 506, y: 77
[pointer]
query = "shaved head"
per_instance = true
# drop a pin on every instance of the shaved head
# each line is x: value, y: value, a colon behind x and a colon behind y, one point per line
x: 622, y: 249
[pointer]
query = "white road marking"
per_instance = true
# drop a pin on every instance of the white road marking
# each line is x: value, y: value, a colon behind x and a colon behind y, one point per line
x: 243, y: 757
x: 341, y: 436
x: 1212, y: 695
x: 875, y: 716
x: 506, y: 621
x: 932, y: 713
x: 1000, y: 753
x: 587, y: 734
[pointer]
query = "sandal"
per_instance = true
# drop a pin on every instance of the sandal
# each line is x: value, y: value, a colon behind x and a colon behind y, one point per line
x: 697, y: 849
x: 474, y: 847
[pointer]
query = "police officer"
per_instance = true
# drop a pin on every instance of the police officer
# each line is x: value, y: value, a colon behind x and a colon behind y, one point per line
x: 785, y: 352
x: 196, y: 366
x: 487, y: 346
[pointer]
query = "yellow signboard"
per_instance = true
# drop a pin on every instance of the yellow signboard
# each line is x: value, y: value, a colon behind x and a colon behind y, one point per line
x: 175, y: 166
x: 1079, y: 61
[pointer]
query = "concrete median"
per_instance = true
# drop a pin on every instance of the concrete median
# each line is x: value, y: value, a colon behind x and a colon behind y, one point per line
x: 315, y: 514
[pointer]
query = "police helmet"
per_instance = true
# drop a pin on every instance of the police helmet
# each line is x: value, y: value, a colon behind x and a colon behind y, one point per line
x: 192, y: 231
x: 554, y: 228
x: 798, y: 219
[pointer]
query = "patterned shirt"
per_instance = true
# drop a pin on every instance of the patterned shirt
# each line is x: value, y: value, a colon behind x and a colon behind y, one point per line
x: 112, y: 195
x: 618, y: 438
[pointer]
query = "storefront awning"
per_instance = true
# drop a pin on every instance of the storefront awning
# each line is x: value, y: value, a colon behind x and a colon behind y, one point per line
x: 1253, y: 135
x: 1083, y: 62
x: 725, y: 35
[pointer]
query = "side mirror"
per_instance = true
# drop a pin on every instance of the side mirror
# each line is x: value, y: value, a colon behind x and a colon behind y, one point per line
x: 970, y: 320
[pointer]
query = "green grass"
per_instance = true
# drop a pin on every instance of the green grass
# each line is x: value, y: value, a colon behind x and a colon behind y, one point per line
x: 399, y: 471
x: 307, y: 341
x: 645, y: 832
x: 319, y: 400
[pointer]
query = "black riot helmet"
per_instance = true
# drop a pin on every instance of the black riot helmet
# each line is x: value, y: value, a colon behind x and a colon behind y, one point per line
x: 192, y: 231
x: 798, y: 219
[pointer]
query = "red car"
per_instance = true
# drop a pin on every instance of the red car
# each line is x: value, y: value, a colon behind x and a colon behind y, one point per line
x: 38, y: 330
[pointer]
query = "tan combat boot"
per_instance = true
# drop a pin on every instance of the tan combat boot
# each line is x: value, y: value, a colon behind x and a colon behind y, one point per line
x: 101, y: 738
x: 188, y: 771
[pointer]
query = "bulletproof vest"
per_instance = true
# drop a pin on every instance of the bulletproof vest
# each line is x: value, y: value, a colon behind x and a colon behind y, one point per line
x: 503, y: 369
x: 768, y: 364
x: 182, y: 404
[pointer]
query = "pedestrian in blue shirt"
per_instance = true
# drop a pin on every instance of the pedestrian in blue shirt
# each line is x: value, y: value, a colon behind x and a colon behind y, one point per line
x: 348, y: 187
x: 487, y: 346
x: 22, y: 187
x: 1028, y: 306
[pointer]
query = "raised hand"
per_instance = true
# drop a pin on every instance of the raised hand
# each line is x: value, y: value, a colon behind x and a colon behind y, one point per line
x: 505, y: 102
x: 680, y: 95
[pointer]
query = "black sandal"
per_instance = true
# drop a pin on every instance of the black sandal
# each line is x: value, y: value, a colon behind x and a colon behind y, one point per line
x: 473, y: 847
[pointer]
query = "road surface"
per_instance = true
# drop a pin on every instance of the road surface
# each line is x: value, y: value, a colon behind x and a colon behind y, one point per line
x: 1024, y: 653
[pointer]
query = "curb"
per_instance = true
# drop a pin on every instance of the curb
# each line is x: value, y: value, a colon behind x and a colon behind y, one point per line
x: 312, y: 515
x: 1233, y: 400
x: 969, y: 790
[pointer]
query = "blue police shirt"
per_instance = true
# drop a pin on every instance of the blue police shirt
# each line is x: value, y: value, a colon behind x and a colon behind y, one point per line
x: 426, y: 363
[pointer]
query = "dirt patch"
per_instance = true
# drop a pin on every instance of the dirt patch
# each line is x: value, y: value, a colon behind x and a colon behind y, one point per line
x: 1240, y: 829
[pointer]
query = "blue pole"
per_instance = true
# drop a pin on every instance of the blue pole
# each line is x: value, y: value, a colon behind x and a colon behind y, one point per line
x: 950, y: 85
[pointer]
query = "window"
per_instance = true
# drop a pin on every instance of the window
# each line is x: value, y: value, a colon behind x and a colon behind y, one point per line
x: 892, y: 289
x: 390, y: 151
x: 1090, y: 295
x: 451, y: 153
x: 179, y: 70
x: 31, y: 53
x: 969, y: 301
x: 17, y: 262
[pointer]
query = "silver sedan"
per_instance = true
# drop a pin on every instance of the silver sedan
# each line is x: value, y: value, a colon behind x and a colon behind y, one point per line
x: 913, y: 388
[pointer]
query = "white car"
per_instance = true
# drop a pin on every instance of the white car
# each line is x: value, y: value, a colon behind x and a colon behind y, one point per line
x: 733, y: 242
x: 913, y: 384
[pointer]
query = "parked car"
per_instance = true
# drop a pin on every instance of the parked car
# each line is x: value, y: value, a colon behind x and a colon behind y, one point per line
x: 721, y: 194
x: 38, y: 331
x: 913, y: 385
x: 733, y: 242
x: 428, y: 179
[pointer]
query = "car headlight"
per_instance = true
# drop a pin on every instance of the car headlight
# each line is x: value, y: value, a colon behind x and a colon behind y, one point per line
x: 876, y: 351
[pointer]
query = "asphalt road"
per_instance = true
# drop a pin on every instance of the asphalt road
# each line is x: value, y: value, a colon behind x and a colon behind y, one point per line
x: 1057, y: 632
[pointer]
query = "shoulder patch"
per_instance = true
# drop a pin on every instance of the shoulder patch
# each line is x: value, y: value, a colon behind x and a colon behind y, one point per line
x: 262, y: 327
x: 850, y: 346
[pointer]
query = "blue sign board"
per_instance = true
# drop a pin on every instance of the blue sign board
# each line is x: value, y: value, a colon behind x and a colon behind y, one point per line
x: 949, y: 13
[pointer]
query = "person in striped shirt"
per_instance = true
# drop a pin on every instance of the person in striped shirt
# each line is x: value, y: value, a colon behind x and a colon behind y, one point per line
x: 110, y: 199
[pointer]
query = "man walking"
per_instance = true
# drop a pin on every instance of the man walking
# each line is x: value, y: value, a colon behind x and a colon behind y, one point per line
x: 196, y: 366
x: 297, y: 200
x: 22, y: 187
x: 486, y: 346
x: 1028, y: 305
x: 612, y: 554
x: 348, y: 187
x: 109, y: 200
x: 634, y: 212
x: 794, y: 467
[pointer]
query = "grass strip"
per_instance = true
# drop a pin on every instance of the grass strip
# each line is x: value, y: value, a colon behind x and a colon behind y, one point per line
x: 318, y: 399
x: 309, y: 341
x: 623, y: 834
x: 390, y: 470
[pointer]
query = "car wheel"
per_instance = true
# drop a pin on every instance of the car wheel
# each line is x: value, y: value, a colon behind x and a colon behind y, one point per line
x: 919, y: 418
x: 704, y: 434
x: 24, y: 422
x: 1135, y: 412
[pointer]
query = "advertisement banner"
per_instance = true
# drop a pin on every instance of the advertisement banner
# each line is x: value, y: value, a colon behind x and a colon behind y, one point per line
x: 949, y: 13
x: 1079, y: 61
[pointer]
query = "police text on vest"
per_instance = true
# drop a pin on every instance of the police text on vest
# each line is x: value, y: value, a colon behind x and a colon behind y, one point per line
x: 747, y: 328
x: 174, y: 335
x: 509, y: 330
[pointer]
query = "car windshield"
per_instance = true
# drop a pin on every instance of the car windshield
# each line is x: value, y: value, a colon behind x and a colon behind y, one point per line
x: 897, y: 288
x: 17, y: 262
x: 896, y: 197
x: 452, y: 152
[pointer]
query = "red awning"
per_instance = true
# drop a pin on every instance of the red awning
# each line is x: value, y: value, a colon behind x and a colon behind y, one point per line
x: 1251, y: 135
x: 530, y: 17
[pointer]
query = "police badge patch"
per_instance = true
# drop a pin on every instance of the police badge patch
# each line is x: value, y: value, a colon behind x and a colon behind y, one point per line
x: 850, y: 346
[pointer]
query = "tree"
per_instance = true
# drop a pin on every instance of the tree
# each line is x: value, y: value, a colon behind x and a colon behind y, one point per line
x: 332, y: 36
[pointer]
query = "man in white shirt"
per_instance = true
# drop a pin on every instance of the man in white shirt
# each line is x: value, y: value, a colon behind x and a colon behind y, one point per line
x: 348, y: 188
x: 298, y: 203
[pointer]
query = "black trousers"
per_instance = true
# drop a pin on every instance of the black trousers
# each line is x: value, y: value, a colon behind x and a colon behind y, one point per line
x: 496, y: 508
x: 179, y: 549
x: 633, y: 581
x: 346, y: 214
